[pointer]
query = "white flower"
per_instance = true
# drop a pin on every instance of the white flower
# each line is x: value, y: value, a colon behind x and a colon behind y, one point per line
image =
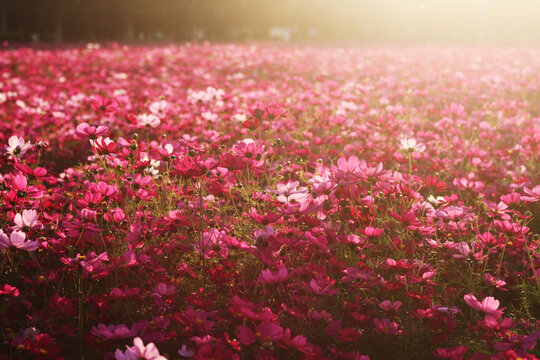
x: 412, y: 145
x: 436, y: 200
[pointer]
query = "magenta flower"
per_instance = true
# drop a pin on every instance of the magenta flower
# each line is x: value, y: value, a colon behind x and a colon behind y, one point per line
x: 386, y: 326
x: 111, y: 332
x: 18, y: 240
x: 92, y: 132
x: 103, y: 104
x: 270, y: 277
x: 139, y: 351
x: 391, y: 306
x: 322, y: 287
x: 372, y: 232
x: 457, y: 353
x: 489, y: 305
x: 266, y: 333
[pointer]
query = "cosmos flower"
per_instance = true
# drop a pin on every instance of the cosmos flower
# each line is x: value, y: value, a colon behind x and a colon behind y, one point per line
x: 17, y: 147
x: 27, y: 220
x: 139, y: 351
x: 533, y: 195
x: 148, y: 121
x: 411, y: 145
x: 489, y: 305
x: 18, y: 240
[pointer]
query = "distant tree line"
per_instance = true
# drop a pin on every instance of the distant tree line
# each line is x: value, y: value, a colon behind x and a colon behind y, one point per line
x: 244, y: 20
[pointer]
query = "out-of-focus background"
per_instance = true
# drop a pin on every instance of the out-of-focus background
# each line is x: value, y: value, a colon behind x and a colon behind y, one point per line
x: 360, y: 21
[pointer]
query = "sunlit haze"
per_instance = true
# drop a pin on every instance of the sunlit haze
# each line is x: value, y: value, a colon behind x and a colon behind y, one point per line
x: 365, y: 21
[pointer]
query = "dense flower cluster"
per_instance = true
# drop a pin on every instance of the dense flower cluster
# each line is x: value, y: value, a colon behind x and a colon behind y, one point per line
x: 258, y: 202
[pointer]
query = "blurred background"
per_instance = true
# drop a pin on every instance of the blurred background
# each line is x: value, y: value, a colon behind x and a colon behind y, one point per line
x: 358, y: 21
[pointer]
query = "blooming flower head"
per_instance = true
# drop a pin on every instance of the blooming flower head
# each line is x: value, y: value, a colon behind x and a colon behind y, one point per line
x: 411, y: 145
x: 489, y: 305
x: 148, y: 120
x: 533, y: 194
x: 159, y: 108
x: 27, y: 220
x: 92, y: 132
x: 17, y: 239
x: 103, y: 104
x: 17, y: 147
x: 139, y: 351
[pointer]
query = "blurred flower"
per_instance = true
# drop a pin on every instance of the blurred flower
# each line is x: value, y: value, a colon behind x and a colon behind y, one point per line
x: 411, y: 145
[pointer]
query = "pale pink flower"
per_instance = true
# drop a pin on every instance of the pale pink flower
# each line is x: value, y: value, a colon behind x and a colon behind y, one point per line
x: 159, y: 108
x: 17, y: 239
x: 489, y: 305
x: 533, y: 194
x: 27, y: 220
x: 17, y: 146
x: 148, y: 120
x: 412, y: 145
x: 139, y: 351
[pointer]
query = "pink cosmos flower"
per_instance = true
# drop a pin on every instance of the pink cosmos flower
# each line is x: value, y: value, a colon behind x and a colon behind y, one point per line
x: 103, y: 145
x: 454, y: 109
x: 27, y: 220
x: 266, y: 333
x: 386, y: 326
x: 111, y: 332
x: 248, y: 149
x: 286, y: 191
x: 105, y: 105
x: 159, y: 108
x: 17, y: 147
x: 348, y: 171
x: 269, y: 277
x: 466, y: 184
x: 163, y: 289
x: 489, y: 305
x: 497, y: 282
x: 457, y: 353
x: 388, y: 305
x: 17, y: 239
x: 19, y: 184
x: 8, y: 290
x: 322, y: 287
x: 92, y: 132
x: 139, y: 351
x: 321, y: 182
x: 411, y: 145
x: 533, y: 194
x: 184, y: 351
x: 148, y: 121
x: 372, y: 232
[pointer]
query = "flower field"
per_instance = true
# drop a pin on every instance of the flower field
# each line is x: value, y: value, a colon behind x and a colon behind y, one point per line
x: 269, y: 202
